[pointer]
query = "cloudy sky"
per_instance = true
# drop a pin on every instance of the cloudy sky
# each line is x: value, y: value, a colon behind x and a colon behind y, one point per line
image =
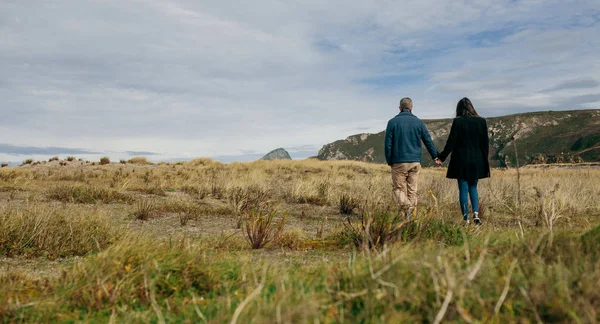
x: 235, y: 79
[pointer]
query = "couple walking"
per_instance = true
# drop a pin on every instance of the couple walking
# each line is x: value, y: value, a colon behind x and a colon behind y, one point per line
x: 468, y: 142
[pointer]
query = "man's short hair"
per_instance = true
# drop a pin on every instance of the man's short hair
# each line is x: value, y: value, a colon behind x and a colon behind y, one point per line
x: 406, y: 103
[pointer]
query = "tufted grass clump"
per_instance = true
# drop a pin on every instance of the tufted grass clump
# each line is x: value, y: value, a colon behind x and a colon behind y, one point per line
x: 347, y: 204
x: 292, y: 239
x: 262, y: 227
x: 375, y: 228
x: 38, y: 230
x: 87, y: 195
x: 144, y: 209
x: 141, y: 160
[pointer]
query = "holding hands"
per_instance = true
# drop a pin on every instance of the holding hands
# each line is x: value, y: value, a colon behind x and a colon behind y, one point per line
x: 438, y: 161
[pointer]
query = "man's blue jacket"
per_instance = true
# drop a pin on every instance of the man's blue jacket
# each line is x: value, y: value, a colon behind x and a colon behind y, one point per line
x: 403, y: 137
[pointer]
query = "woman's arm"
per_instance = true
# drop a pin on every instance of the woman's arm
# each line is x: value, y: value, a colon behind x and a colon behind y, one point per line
x: 449, y: 143
x: 486, y: 142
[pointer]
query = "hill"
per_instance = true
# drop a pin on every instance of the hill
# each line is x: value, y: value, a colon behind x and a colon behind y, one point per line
x: 277, y: 154
x: 541, y: 137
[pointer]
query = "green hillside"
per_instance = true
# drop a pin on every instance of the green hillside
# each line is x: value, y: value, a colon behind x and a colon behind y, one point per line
x: 541, y: 137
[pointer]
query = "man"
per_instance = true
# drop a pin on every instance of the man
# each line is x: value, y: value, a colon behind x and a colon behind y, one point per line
x: 403, y: 137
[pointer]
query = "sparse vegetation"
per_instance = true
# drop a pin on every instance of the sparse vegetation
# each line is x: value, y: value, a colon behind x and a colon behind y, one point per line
x: 139, y: 160
x: 292, y: 239
x: 87, y: 195
x: 262, y: 227
x: 73, y: 247
x: 37, y: 230
x: 144, y: 209
x: 196, y: 191
x: 376, y: 227
x: 347, y: 204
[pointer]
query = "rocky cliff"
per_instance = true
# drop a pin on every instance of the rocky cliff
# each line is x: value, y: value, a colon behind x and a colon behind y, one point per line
x: 540, y: 137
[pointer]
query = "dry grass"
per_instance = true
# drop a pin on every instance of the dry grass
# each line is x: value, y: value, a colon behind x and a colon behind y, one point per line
x: 87, y: 195
x: 139, y: 160
x: 188, y: 260
x: 262, y: 227
x: 38, y: 230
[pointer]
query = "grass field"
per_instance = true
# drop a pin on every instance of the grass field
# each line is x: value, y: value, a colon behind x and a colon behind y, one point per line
x: 293, y: 242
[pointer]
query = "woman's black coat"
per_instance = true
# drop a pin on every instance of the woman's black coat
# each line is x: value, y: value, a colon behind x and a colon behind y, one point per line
x: 469, y: 144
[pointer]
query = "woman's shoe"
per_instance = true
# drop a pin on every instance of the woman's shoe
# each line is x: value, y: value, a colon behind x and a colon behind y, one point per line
x: 476, y: 219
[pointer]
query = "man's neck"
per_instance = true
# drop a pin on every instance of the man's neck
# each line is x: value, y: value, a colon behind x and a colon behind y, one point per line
x: 405, y: 110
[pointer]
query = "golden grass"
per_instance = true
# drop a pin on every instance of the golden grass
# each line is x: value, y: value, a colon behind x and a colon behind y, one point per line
x: 140, y: 269
x: 39, y: 230
x: 139, y: 160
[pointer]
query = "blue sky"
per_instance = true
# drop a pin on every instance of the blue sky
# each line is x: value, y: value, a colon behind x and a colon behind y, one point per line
x: 184, y: 79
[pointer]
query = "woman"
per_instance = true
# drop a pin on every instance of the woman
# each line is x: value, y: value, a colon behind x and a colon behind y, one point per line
x: 469, y: 144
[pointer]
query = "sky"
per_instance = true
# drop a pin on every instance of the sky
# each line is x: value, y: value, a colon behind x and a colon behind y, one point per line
x: 236, y: 79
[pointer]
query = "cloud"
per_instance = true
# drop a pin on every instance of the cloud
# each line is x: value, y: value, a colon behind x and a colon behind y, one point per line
x: 32, y: 150
x: 140, y: 153
x: 574, y: 84
x: 190, y: 79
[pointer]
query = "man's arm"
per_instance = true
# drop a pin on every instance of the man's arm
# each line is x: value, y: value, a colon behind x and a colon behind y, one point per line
x: 428, y: 142
x: 389, y: 138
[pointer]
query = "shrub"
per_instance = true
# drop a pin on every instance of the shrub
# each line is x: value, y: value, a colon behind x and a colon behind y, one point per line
x: 347, y: 204
x: 198, y: 192
x: 144, y: 209
x: 200, y: 162
x: 4, y: 165
x: 63, y: 163
x: 87, y: 195
x: 139, y: 160
x: 262, y: 227
x: 54, y: 158
x: 244, y: 200
x: 122, y: 161
x: 190, y: 212
x: 28, y: 161
x: 105, y: 160
x: 375, y: 229
x: 36, y: 231
x: 292, y: 239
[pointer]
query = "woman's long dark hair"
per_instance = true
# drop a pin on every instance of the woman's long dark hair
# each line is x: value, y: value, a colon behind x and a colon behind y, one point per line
x: 465, y: 108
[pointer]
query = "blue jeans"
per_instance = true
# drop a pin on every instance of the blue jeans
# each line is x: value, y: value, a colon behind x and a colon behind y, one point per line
x: 466, y: 189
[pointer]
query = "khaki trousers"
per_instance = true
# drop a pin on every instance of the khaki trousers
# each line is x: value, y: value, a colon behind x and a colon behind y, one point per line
x: 404, y: 182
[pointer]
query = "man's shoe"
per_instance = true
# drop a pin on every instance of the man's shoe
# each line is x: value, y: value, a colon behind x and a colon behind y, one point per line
x: 476, y: 220
x: 466, y: 222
